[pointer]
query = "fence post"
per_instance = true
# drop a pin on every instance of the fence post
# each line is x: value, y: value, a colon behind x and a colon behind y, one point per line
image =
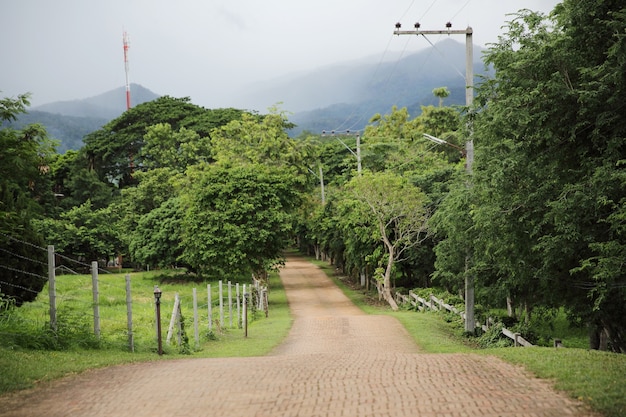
x: 221, y: 295
x: 179, y: 325
x: 52, y: 289
x: 238, y: 300
x: 96, y: 298
x: 195, y: 318
x: 175, y: 310
x: 129, y: 315
x: 210, y: 307
x: 230, y: 305
x: 245, y: 312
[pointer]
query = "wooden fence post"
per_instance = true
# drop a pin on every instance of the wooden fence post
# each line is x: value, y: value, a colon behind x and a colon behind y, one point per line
x: 96, y: 297
x: 52, y: 288
x: 129, y: 315
x: 245, y: 312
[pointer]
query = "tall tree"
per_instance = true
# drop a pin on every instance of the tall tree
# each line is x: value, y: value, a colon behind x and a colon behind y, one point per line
x: 550, y: 162
x: 114, y: 151
x: 398, y: 213
x: 237, y: 218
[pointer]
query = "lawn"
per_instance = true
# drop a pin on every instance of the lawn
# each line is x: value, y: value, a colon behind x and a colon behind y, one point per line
x: 30, y: 352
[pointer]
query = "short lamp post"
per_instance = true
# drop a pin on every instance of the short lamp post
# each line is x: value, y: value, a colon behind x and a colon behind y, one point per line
x: 157, y: 303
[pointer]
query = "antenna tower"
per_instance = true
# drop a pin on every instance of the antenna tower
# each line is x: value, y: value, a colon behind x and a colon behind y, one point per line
x: 126, y: 46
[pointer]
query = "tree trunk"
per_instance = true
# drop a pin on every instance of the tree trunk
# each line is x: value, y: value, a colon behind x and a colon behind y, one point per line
x: 510, y: 311
x: 387, y: 295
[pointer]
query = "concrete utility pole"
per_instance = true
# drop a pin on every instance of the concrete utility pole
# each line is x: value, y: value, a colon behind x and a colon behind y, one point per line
x: 470, y: 322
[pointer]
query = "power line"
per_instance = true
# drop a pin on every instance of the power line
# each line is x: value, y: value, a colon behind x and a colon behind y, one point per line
x: 460, y: 10
x: 19, y: 286
x: 23, y: 257
x: 23, y: 241
x: 379, y: 65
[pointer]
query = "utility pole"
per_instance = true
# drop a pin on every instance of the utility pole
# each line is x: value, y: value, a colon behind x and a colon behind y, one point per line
x: 470, y: 322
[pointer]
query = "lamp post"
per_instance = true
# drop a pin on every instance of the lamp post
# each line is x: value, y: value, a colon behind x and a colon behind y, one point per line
x: 157, y: 303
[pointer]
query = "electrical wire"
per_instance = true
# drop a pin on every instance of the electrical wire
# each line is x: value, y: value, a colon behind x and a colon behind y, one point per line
x: 460, y: 10
x: 352, y: 114
x: 444, y: 56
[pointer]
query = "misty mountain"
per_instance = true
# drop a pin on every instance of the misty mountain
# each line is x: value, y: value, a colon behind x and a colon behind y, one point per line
x: 346, y: 95
x: 68, y: 130
x: 336, y: 97
x: 69, y: 121
x: 107, y: 106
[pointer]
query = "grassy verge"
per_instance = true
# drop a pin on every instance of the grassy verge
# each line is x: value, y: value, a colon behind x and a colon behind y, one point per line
x: 22, y: 368
x: 595, y: 378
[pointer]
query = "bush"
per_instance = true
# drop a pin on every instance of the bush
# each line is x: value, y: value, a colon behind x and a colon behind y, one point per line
x: 493, y: 338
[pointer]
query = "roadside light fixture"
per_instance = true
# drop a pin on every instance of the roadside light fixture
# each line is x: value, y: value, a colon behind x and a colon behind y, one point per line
x: 157, y: 303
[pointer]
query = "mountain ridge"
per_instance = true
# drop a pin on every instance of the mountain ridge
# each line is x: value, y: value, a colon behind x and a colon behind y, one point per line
x: 344, y: 95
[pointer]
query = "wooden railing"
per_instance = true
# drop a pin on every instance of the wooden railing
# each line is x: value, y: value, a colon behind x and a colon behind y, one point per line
x: 435, y: 304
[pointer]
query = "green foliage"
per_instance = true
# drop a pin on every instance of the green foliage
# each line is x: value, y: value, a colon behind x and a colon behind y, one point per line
x: 25, y: 193
x: 84, y: 232
x: 549, y: 169
x: 165, y: 148
x: 156, y: 239
x: 258, y: 140
x: 114, y: 151
x: 237, y: 219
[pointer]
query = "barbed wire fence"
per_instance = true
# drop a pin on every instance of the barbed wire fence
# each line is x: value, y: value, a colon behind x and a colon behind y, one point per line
x: 76, y: 308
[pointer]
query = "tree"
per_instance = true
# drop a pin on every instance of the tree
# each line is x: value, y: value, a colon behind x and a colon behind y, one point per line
x: 114, y: 151
x: 157, y: 238
x: 24, y: 192
x: 441, y: 93
x: 259, y: 140
x: 164, y: 147
x: 550, y: 163
x: 150, y: 216
x: 84, y: 233
x: 237, y: 218
x: 398, y: 212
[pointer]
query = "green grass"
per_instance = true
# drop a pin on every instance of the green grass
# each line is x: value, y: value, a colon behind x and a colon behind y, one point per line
x: 75, y: 349
x: 596, y: 378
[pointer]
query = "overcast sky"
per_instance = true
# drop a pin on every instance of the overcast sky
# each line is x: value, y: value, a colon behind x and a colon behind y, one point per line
x: 209, y: 49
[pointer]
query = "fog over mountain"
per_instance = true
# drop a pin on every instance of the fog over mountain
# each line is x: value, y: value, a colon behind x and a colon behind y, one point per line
x: 335, y: 97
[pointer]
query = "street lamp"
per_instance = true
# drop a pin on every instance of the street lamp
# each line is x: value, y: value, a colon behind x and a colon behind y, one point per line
x: 444, y: 142
x: 157, y: 303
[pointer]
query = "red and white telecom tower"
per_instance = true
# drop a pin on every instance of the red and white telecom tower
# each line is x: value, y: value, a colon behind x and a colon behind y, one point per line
x: 126, y: 46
